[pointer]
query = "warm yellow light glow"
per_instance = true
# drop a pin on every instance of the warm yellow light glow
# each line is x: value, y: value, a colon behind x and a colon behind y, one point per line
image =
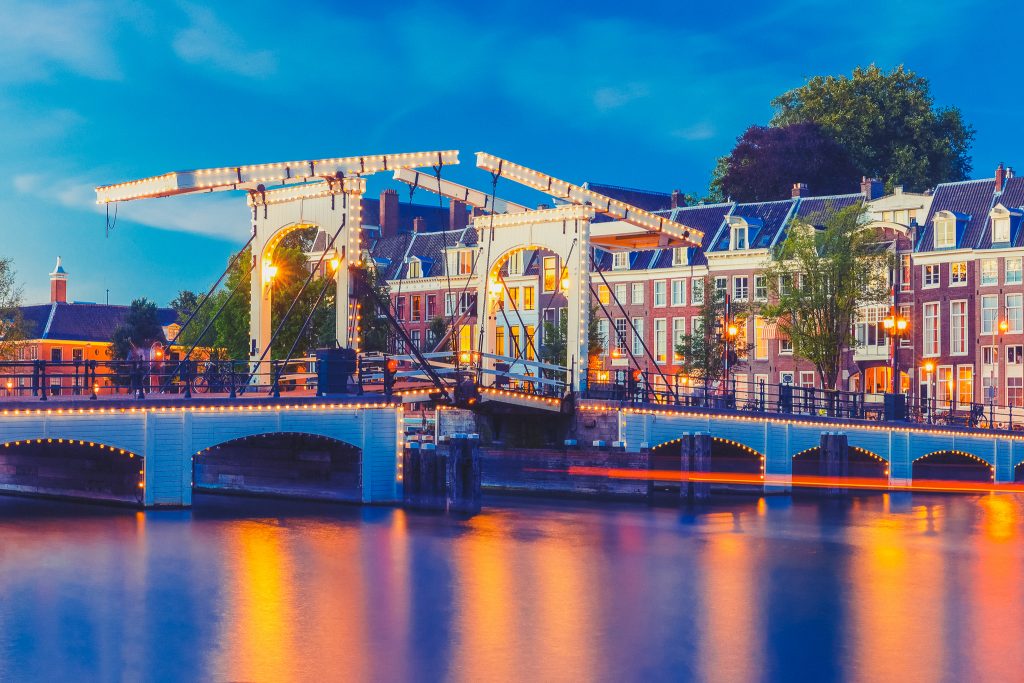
x: 901, y: 324
x: 929, y: 366
x: 271, y: 271
x: 733, y: 330
x: 1003, y: 326
x: 888, y: 323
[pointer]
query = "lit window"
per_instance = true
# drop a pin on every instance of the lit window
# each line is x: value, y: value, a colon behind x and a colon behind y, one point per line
x: 415, y: 268
x: 465, y: 261
x: 528, y: 294
x: 958, y: 273
x: 660, y: 341
x: 550, y: 273
x: 905, y: 273
x: 931, y: 275
x: 965, y: 384
x: 603, y: 294
x: 760, y: 339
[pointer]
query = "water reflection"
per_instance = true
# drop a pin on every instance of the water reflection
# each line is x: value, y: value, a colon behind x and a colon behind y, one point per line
x: 903, y: 587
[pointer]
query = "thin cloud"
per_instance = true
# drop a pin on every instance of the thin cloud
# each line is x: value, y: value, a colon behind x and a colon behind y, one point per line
x: 221, y: 216
x: 209, y: 42
x: 37, y: 40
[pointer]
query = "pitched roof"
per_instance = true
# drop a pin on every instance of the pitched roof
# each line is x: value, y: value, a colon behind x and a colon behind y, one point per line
x: 81, y: 322
x: 426, y: 246
x: 642, y: 199
x: 1012, y: 197
x: 974, y: 199
x: 772, y: 217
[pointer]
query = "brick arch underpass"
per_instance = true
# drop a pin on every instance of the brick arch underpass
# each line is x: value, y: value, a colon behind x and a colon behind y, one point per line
x: 288, y: 464
x: 727, y: 457
x: 72, y: 468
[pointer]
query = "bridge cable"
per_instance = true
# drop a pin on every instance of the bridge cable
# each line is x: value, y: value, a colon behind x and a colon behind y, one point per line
x: 383, y: 304
x: 490, y: 241
x: 206, y: 329
x: 629, y: 351
x: 302, y: 330
x: 291, y: 307
x: 444, y: 233
x: 209, y: 293
x: 629, y: 320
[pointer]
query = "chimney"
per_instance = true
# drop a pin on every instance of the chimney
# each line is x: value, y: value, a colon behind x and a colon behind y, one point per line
x: 799, y: 190
x: 1000, y: 177
x: 1009, y: 172
x: 388, y: 213
x: 59, y: 284
x: 458, y: 217
x: 871, y: 188
x: 419, y: 224
x: 677, y: 199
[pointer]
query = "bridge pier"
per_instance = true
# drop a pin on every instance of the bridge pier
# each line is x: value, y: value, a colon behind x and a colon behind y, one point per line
x: 696, y: 457
x: 834, y: 460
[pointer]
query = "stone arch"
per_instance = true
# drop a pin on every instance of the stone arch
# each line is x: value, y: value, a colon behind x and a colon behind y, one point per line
x: 862, y: 463
x: 72, y: 468
x: 294, y: 464
x: 952, y: 465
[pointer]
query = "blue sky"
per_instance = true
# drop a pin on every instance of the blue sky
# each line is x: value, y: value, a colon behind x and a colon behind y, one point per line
x: 644, y: 95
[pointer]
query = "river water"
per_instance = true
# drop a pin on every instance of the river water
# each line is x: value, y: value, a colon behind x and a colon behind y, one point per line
x: 894, y: 587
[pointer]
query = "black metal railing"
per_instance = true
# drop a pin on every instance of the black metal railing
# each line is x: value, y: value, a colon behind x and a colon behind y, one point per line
x: 643, y: 388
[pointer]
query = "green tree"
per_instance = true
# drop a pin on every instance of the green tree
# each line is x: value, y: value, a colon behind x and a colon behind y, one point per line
x: 187, y: 303
x: 888, y: 122
x: 817, y: 279
x: 139, y: 331
x: 554, y: 346
x: 702, y: 351
x: 12, y: 324
x: 374, y: 329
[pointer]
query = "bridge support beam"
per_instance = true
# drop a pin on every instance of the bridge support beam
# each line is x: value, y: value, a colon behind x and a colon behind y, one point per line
x: 695, y: 451
x: 834, y: 459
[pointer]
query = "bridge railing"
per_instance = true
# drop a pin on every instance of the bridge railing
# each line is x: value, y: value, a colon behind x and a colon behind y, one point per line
x: 42, y: 379
x: 641, y: 388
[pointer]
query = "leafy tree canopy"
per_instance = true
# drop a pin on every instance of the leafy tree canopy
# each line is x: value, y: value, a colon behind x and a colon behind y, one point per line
x: 888, y: 122
x: 818, y: 278
x: 766, y: 162
x: 139, y: 331
x: 12, y: 323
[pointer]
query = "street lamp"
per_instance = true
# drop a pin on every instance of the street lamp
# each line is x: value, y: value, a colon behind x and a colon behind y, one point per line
x: 895, y: 326
x: 1001, y: 329
x: 929, y: 368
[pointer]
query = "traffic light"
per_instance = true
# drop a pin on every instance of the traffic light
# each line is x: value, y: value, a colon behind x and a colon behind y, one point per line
x: 390, y: 367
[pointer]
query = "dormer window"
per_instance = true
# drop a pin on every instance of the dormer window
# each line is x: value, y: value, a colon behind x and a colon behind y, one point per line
x: 515, y: 263
x: 1002, y: 221
x: 738, y: 235
x: 679, y: 256
x: 1000, y: 230
x: 415, y: 268
x: 945, y: 231
x: 620, y: 260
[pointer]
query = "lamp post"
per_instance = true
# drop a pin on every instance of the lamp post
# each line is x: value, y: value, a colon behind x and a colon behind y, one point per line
x: 929, y: 367
x: 895, y: 326
x: 1001, y: 329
